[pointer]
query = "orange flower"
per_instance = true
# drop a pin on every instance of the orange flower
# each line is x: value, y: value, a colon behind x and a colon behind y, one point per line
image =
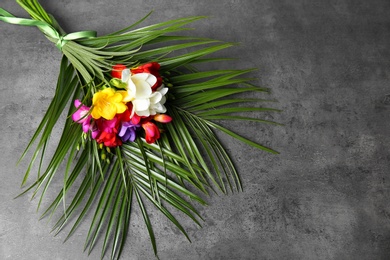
x: 162, y: 118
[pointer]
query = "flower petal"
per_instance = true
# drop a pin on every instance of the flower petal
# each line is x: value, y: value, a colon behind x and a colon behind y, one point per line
x: 123, y: 130
x: 86, y: 127
x: 143, y: 112
x: 116, y: 71
x: 77, y: 103
x: 151, y: 80
x: 143, y: 90
x: 140, y: 104
x: 108, y: 112
x: 162, y: 90
x: 140, y: 77
x: 125, y: 75
x: 159, y: 108
x: 155, y: 97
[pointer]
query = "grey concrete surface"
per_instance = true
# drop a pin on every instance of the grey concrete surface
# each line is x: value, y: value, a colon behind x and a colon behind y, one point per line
x: 326, y: 196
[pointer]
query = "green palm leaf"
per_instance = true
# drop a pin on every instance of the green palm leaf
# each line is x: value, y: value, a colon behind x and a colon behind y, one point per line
x: 188, y: 160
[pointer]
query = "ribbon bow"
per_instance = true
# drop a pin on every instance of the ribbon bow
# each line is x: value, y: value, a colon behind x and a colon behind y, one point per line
x: 50, y: 32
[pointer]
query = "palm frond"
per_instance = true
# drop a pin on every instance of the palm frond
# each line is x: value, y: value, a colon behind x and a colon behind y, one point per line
x: 170, y: 175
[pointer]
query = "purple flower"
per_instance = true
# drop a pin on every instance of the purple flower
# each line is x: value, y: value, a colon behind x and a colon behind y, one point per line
x: 128, y: 131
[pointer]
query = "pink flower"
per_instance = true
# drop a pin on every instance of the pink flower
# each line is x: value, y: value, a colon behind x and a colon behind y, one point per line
x: 108, y: 126
x: 94, y: 130
x: 82, y: 116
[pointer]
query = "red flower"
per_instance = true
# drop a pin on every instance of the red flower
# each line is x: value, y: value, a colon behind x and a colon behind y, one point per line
x: 108, y: 131
x: 125, y: 116
x: 152, y: 133
x: 151, y: 68
x: 116, y: 71
x: 109, y: 139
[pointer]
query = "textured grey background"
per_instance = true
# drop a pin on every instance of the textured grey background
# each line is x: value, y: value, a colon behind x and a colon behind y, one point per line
x: 325, y: 197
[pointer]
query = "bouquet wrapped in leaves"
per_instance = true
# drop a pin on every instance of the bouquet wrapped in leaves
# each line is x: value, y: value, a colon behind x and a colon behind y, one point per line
x: 140, y: 125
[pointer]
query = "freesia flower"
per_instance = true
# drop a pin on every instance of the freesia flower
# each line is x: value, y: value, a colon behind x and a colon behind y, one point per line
x: 108, y: 130
x: 109, y: 139
x: 116, y: 71
x: 109, y: 126
x: 139, y: 88
x: 162, y: 118
x: 128, y: 131
x: 94, y: 130
x: 107, y: 103
x: 156, y: 102
x: 152, y: 133
x: 138, y: 85
x: 125, y: 116
x: 152, y: 68
x: 135, y: 119
x: 81, y: 115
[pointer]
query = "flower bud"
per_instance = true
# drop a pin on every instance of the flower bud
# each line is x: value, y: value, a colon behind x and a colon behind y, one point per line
x: 117, y: 83
x: 162, y: 118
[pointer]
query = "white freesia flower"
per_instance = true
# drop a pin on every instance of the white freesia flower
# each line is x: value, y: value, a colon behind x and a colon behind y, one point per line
x: 139, y: 90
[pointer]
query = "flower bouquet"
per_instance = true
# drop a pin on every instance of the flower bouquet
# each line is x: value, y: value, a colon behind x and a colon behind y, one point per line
x: 140, y: 126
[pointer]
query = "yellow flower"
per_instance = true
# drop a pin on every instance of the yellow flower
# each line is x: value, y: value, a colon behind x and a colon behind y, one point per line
x: 107, y: 103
